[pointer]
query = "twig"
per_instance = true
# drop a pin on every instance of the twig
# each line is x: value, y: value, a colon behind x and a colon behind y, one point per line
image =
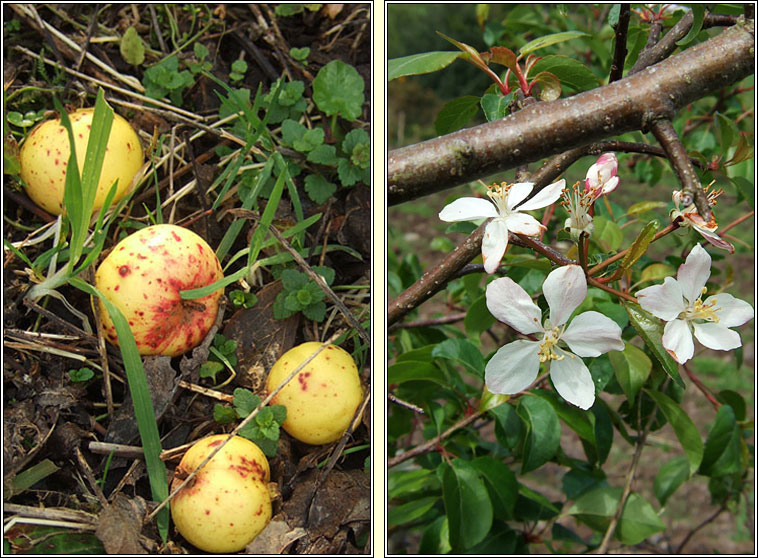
x: 639, y: 445
x: 616, y: 257
x: 664, y: 132
x: 657, y: 51
x: 395, y: 399
x: 705, y: 522
x: 452, y: 318
x: 737, y: 222
x: 619, y: 53
x: 701, y: 386
x: 434, y: 442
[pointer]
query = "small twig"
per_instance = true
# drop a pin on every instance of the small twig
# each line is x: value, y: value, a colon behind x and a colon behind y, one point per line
x: 639, y: 445
x: 710, y: 519
x: 395, y: 399
x: 616, y: 257
x: 434, y: 443
x: 91, y: 477
x: 595, y: 283
x: 664, y: 132
x: 701, y: 386
x: 737, y: 222
x: 452, y: 318
x: 157, y: 28
x: 619, y: 53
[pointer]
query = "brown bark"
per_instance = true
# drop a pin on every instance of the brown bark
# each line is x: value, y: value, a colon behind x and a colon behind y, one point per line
x: 544, y: 129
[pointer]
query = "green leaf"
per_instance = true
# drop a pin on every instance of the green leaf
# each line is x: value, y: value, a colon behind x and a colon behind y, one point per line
x: 722, y: 447
x: 656, y: 272
x: 410, y: 511
x: 571, y: 73
x: 456, y: 114
x: 478, y: 319
x: 401, y: 484
x: 549, y: 86
x: 698, y: 13
x: 671, y: 476
x: 495, y: 106
x: 501, y: 484
x: 543, y: 432
x: 315, y: 312
x: 338, y: 90
x: 607, y: 234
x: 319, y: 189
x: 461, y: 352
x: 548, y: 40
x: 638, y: 519
x: 632, y: 367
x: 407, y: 371
x: 574, y: 417
x: 423, y: 63
x: 644, y: 206
x: 224, y: 414
x: 685, y: 430
x: 650, y: 330
x: 245, y: 401
x: 640, y: 244
x: 81, y: 374
x: 467, y: 503
x: 131, y: 48
x: 323, y: 155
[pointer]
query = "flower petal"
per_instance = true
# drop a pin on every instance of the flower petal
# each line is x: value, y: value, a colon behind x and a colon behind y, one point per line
x: 717, y: 337
x: 677, y: 340
x: 694, y: 272
x: 468, y: 209
x: 573, y: 381
x: 513, y: 367
x: 591, y: 334
x: 564, y: 289
x: 732, y: 312
x: 714, y: 239
x: 523, y: 223
x: 511, y: 304
x: 517, y: 192
x: 610, y: 186
x: 549, y: 194
x: 494, y: 243
x: 663, y: 301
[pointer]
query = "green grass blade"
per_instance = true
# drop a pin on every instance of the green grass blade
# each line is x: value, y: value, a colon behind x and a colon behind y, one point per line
x: 233, y: 231
x: 142, y: 401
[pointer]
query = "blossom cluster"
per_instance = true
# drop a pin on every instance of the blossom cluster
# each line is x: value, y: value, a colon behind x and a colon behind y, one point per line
x: 560, y: 343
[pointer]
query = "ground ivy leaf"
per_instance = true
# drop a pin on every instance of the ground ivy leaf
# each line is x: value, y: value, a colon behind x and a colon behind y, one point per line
x: 319, y: 189
x: 131, y: 47
x: 338, y: 89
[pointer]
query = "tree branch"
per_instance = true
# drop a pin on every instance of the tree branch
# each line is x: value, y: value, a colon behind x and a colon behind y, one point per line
x: 664, y: 132
x: 544, y: 129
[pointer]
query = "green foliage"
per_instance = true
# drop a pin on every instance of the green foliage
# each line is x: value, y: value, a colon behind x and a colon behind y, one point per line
x: 300, y: 293
x: 241, y: 299
x: 263, y: 429
x: 165, y: 78
x: 132, y: 49
x: 466, y: 493
x: 81, y: 374
x: 338, y: 90
x: 223, y: 355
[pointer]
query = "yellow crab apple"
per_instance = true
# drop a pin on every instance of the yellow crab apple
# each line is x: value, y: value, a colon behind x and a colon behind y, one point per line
x: 322, y: 398
x: 227, y: 504
x: 45, y: 152
x: 144, y: 275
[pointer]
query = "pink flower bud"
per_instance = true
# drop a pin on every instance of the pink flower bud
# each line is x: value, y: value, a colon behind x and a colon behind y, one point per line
x: 601, y: 176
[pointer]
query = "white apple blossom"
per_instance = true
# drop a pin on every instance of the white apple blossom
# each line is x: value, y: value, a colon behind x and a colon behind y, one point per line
x: 578, y: 203
x: 601, y: 176
x: 516, y: 365
x: 679, y: 303
x: 691, y: 218
x: 507, y: 215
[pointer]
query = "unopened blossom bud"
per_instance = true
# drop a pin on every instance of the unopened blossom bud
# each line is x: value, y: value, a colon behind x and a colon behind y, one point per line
x: 601, y: 176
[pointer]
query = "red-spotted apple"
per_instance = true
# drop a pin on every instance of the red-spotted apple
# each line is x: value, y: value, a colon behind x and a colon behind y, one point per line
x: 227, y: 504
x: 143, y: 276
x: 45, y: 152
x: 322, y: 398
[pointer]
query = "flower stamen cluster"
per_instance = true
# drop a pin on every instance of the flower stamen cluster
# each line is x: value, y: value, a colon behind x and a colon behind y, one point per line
x: 578, y: 202
x: 690, y: 217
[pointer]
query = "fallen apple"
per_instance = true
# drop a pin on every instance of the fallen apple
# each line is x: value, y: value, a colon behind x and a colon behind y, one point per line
x: 322, y: 398
x: 143, y: 276
x: 227, y: 504
x: 45, y: 152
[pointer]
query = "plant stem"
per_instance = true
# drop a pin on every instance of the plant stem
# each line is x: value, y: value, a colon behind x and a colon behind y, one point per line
x: 616, y: 257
